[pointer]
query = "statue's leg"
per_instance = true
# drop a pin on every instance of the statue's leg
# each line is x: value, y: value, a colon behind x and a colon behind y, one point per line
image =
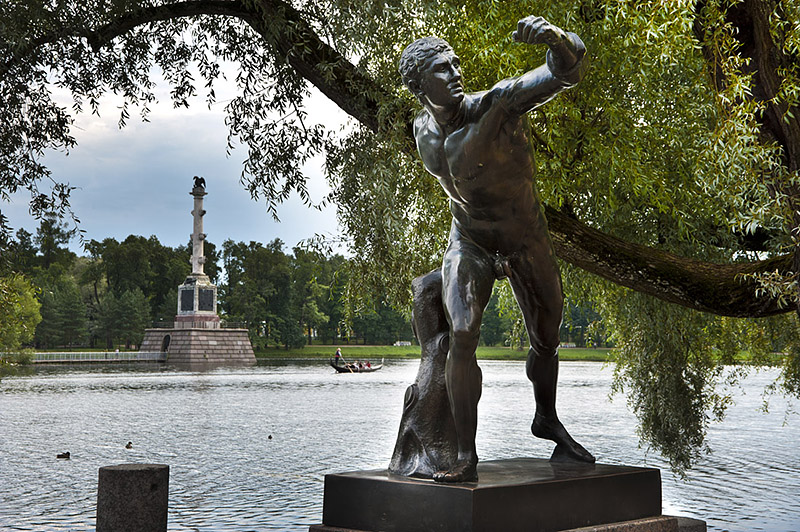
x: 536, y: 282
x: 467, y: 280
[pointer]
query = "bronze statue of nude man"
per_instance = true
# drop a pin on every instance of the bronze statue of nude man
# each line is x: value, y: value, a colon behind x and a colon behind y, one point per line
x: 476, y: 146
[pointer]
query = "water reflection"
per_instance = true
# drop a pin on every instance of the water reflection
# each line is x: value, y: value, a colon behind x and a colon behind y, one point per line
x: 213, y: 428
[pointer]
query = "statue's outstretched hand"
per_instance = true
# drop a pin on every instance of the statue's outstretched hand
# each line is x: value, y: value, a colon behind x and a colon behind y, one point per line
x: 536, y: 30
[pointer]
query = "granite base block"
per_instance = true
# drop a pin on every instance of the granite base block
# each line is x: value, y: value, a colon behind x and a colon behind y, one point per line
x: 521, y: 494
x: 687, y: 524
x: 664, y: 523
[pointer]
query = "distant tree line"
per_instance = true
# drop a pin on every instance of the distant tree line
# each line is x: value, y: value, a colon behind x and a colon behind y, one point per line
x: 105, y: 298
x: 109, y: 296
x: 293, y: 299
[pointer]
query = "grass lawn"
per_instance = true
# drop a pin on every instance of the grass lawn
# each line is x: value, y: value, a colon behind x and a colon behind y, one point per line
x: 372, y: 352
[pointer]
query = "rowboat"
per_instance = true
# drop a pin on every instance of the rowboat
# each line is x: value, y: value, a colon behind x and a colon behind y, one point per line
x: 355, y: 367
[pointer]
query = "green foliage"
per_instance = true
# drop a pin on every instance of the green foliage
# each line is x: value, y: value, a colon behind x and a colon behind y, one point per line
x: 134, y: 316
x: 782, y: 336
x: 142, y: 263
x: 258, y: 290
x: 122, y: 318
x: 21, y: 358
x: 19, y: 312
x: 669, y: 376
x: 64, y: 320
x: 146, y: 265
x: 20, y: 255
x: 582, y: 325
x: 333, y: 275
x: 109, y: 295
x: 381, y: 326
x: 790, y: 377
x: 16, y: 363
x: 278, y: 295
x: 494, y: 328
x: 282, y: 297
x: 675, y: 377
x: 50, y: 237
x: 516, y: 335
x: 307, y: 289
x: 106, y: 324
x: 71, y: 315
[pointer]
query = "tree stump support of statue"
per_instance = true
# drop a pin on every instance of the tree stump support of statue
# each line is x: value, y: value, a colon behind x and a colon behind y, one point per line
x: 426, y: 442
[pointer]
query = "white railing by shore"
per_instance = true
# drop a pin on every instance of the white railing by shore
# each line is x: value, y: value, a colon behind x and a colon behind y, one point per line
x: 76, y: 357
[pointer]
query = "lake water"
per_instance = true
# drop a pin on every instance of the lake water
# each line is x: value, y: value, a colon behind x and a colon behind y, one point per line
x: 226, y: 473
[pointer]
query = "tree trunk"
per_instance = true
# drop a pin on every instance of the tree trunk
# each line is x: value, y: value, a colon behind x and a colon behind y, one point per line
x: 721, y: 289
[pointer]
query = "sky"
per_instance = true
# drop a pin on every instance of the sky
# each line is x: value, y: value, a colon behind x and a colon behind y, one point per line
x: 137, y: 180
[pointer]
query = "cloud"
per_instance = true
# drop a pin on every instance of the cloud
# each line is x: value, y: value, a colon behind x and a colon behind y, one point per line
x: 137, y: 180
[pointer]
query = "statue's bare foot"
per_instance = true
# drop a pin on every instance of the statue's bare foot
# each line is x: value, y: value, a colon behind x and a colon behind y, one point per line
x: 566, y: 447
x: 463, y: 471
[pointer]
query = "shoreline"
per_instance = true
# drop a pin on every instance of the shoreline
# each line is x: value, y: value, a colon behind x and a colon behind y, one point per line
x: 359, y: 352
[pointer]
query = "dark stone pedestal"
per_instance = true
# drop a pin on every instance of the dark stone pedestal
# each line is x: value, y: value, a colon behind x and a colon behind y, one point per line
x: 664, y: 523
x: 521, y: 494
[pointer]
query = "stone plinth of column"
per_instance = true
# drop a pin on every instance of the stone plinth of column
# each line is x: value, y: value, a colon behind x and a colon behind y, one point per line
x: 197, y: 303
x: 196, y: 345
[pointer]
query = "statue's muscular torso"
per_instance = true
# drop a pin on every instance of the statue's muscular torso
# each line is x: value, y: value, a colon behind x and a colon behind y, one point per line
x: 485, y: 165
x: 484, y: 161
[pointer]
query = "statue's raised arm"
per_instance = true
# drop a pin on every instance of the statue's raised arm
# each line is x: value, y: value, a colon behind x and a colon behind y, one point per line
x: 564, y: 67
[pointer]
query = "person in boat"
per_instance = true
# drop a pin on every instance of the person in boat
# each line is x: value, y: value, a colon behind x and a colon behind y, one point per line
x: 338, y: 356
x: 477, y: 147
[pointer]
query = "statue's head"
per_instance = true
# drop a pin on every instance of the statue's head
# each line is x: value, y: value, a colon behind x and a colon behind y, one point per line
x: 419, y: 58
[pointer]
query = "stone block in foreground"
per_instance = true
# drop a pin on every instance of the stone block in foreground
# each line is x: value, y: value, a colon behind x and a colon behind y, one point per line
x: 521, y: 494
x: 132, y: 498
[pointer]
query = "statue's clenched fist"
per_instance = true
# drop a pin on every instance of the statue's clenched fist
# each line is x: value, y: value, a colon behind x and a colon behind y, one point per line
x: 536, y: 30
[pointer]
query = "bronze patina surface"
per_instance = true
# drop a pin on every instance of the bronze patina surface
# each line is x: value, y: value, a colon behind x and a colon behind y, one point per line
x: 476, y: 145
